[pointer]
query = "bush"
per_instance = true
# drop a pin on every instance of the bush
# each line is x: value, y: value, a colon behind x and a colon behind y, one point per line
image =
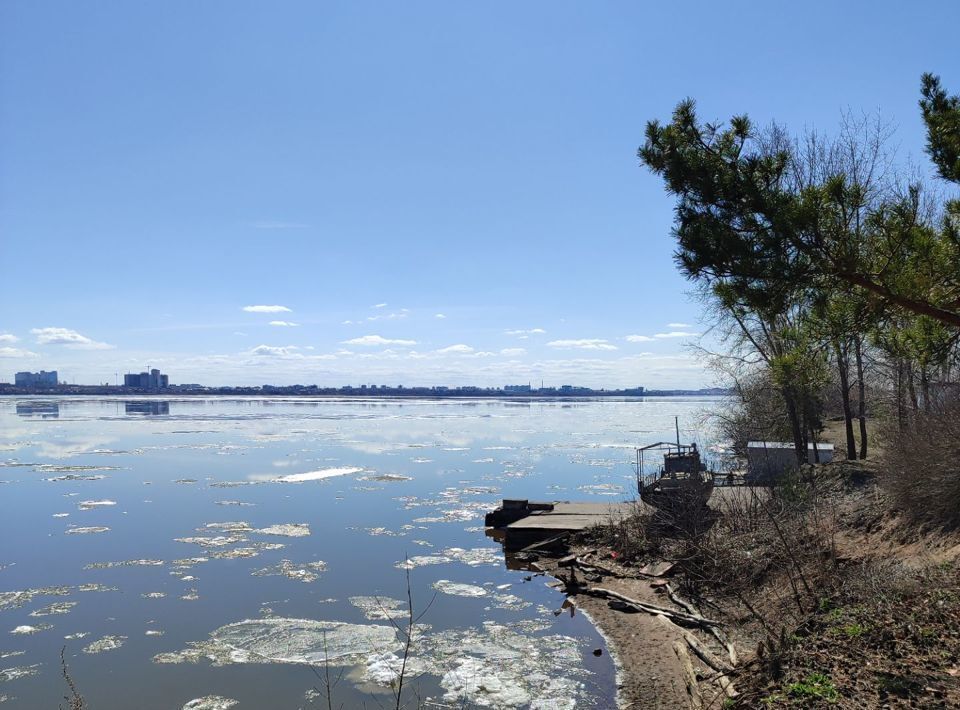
x: 921, y: 466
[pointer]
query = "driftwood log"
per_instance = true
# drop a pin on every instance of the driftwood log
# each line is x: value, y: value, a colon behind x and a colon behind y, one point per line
x: 671, y: 614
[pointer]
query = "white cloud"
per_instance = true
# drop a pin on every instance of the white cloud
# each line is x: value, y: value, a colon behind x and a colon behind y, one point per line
x: 402, y: 313
x: 532, y: 331
x: 459, y: 348
x: 379, y: 305
x: 638, y: 339
x: 266, y: 309
x: 68, y: 338
x: 16, y: 352
x: 678, y: 325
x: 513, y: 352
x: 274, y: 351
x: 8, y: 338
x: 440, y: 316
x: 377, y: 340
x: 676, y: 334
x: 583, y: 344
x: 284, y: 323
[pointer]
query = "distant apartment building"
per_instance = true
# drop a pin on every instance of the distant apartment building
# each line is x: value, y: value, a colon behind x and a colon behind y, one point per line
x: 36, y: 379
x: 516, y: 388
x: 152, y: 380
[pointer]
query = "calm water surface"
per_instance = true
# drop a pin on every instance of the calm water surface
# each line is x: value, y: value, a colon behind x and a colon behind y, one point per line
x: 158, y: 542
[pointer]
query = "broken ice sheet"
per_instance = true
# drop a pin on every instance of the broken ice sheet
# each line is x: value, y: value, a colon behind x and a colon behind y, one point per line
x: 124, y: 563
x: 313, y: 475
x: 107, y: 643
x: 308, y: 572
x: 12, y: 600
x: 210, y: 702
x: 286, y: 530
x: 284, y: 640
x: 8, y: 674
x: 472, y: 557
x: 91, y: 504
x: 602, y: 489
x: 90, y: 530
x: 55, y: 608
x: 380, y: 608
x: 493, y: 666
x: 386, y: 477
x: 27, y: 630
x: 457, y: 589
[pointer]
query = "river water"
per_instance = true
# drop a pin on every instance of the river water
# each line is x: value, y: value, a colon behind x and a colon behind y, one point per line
x: 247, y: 549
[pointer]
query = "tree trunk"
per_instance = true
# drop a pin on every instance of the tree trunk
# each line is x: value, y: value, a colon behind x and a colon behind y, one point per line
x: 799, y: 438
x: 861, y: 392
x: 843, y: 364
x: 925, y: 389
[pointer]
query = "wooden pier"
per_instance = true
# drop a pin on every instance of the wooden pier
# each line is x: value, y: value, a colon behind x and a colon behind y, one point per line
x: 523, y: 523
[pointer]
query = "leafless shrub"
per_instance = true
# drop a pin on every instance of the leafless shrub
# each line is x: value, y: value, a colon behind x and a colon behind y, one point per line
x: 74, y: 700
x: 921, y: 465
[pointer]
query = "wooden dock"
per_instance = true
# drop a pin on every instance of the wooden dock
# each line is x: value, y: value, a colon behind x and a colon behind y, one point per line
x: 523, y: 523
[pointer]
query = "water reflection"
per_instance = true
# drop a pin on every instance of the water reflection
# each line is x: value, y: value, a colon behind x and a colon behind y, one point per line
x: 147, y: 407
x: 44, y: 410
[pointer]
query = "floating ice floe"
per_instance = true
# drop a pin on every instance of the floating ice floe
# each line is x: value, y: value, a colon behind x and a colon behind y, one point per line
x: 90, y: 530
x: 283, y: 640
x: 57, y: 468
x: 380, y: 608
x: 10, y: 654
x: 602, y: 489
x: 457, y: 589
x: 8, y: 674
x: 473, y: 557
x: 27, y: 630
x: 308, y: 572
x: 212, y: 540
x: 286, y: 530
x: 13, y: 600
x: 77, y: 477
x: 124, y: 563
x: 55, y: 608
x: 254, y: 549
x: 154, y: 632
x: 107, y: 643
x: 77, y: 635
x: 61, y: 515
x: 210, y: 702
x: 153, y: 595
x: 386, y: 477
x: 239, y: 503
x: 316, y: 475
x: 90, y: 504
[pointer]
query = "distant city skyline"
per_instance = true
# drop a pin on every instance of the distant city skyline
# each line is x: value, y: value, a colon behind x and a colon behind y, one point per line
x: 341, y: 193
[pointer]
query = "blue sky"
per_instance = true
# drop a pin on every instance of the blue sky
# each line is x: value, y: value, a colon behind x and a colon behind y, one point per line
x: 434, y: 192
